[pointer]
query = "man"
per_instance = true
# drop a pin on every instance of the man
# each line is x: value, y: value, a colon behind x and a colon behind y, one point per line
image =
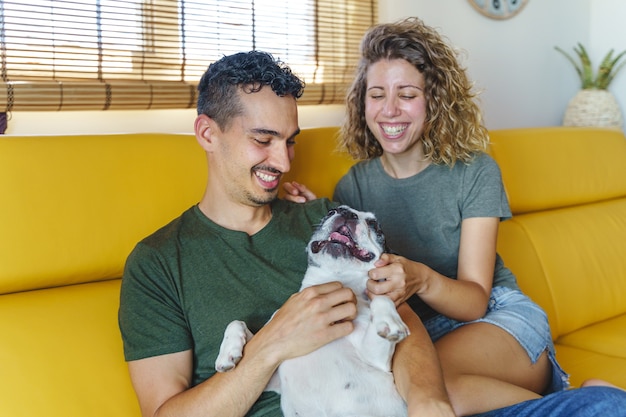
x: 240, y: 254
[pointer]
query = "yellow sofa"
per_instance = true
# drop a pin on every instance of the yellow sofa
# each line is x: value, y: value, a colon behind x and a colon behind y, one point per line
x: 566, y: 242
x: 73, y: 207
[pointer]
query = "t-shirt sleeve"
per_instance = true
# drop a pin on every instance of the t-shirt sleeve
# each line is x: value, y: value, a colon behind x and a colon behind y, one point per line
x: 483, y: 191
x: 340, y: 190
x: 151, y: 319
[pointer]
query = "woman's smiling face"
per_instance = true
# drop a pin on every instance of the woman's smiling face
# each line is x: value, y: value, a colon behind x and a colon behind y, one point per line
x: 395, y: 106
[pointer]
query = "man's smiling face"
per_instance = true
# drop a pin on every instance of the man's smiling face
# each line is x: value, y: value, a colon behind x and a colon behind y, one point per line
x: 257, y: 147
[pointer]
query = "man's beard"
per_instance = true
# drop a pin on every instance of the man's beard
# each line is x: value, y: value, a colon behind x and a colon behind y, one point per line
x: 263, y: 200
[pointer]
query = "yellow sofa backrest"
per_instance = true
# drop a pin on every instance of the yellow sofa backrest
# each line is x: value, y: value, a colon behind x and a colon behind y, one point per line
x: 318, y: 163
x: 566, y: 242
x: 552, y: 167
x: 74, y: 206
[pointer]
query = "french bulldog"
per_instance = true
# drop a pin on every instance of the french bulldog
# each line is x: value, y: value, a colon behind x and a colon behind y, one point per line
x: 350, y: 376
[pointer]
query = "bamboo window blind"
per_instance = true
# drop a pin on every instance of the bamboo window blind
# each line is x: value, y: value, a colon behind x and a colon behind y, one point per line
x: 148, y: 54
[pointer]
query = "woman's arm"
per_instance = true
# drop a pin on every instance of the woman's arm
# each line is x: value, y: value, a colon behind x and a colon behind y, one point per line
x: 298, y: 193
x: 464, y: 298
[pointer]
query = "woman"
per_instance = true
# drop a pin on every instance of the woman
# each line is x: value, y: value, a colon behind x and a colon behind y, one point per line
x: 412, y: 119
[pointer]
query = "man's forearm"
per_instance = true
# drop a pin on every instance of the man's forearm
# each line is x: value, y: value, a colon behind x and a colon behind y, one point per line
x: 162, y: 384
x: 223, y: 395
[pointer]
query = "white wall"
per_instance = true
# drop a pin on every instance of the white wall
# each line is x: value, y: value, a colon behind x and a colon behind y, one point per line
x: 117, y: 121
x: 608, y: 31
x: 524, y: 81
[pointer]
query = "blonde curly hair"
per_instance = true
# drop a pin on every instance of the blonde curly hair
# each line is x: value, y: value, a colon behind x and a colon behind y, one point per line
x: 453, y: 129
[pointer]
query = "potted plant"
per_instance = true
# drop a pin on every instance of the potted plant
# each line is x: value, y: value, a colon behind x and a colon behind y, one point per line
x: 594, y: 105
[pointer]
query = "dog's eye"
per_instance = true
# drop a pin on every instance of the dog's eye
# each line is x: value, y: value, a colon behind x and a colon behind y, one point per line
x: 373, y: 224
x: 331, y: 212
x: 375, y: 227
x: 328, y: 215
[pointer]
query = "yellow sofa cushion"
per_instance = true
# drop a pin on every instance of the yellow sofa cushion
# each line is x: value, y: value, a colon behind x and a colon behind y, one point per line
x: 61, y: 353
x: 584, y: 364
x: 572, y: 261
x: 607, y: 337
x: 566, y: 242
x: 74, y: 206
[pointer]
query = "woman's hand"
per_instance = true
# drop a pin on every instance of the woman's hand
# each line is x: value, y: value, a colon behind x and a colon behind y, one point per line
x: 396, y: 277
x: 298, y: 193
x: 464, y: 298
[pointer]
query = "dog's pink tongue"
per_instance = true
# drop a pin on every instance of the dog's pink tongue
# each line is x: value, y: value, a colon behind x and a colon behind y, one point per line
x: 338, y: 237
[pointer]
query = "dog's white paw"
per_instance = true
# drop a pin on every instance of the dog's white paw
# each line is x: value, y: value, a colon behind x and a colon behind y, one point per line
x: 236, y: 336
x: 386, y: 320
x: 391, y: 328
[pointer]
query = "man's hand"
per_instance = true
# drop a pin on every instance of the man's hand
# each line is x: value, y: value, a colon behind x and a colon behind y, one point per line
x: 308, y: 320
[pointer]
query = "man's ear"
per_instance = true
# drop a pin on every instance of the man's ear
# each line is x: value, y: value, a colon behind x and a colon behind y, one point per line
x: 205, y: 128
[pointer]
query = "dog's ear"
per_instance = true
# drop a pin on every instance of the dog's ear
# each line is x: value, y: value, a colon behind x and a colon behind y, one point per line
x: 386, y: 247
x: 330, y: 213
x: 380, y: 233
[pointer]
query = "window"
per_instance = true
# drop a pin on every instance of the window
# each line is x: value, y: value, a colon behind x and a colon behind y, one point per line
x: 143, y: 54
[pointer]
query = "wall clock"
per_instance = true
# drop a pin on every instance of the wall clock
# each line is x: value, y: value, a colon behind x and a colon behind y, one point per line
x: 499, y: 9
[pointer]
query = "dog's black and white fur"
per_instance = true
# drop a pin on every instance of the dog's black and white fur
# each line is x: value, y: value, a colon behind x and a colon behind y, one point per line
x: 350, y: 376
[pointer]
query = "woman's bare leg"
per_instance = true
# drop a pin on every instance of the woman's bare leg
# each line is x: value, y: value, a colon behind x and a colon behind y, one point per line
x: 485, y: 368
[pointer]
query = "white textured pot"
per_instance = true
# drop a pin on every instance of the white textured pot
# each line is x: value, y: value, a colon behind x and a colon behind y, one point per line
x: 592, y: 107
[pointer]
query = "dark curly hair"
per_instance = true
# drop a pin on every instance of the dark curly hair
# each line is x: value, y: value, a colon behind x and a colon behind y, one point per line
x: 249, y: 71
x: 453, y: 129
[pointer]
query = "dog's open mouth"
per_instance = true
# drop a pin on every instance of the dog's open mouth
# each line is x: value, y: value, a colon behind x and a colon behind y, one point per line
x: 341, y: 243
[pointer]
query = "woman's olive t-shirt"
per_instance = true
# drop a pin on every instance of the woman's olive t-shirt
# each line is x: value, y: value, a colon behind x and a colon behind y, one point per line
x: 421, y: 215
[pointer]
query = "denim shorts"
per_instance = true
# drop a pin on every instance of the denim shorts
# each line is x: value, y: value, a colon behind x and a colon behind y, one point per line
x: 519, y: 316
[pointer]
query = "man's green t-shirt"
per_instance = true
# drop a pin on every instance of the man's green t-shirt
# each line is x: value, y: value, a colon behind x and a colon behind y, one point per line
x: 186, y: 282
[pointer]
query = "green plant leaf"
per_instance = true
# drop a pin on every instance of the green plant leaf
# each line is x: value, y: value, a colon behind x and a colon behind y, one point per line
x: 614, y: 72
x: 604, y: 71
x: 607, y: 69
x: 587, y: 77
x: 579, y: 70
